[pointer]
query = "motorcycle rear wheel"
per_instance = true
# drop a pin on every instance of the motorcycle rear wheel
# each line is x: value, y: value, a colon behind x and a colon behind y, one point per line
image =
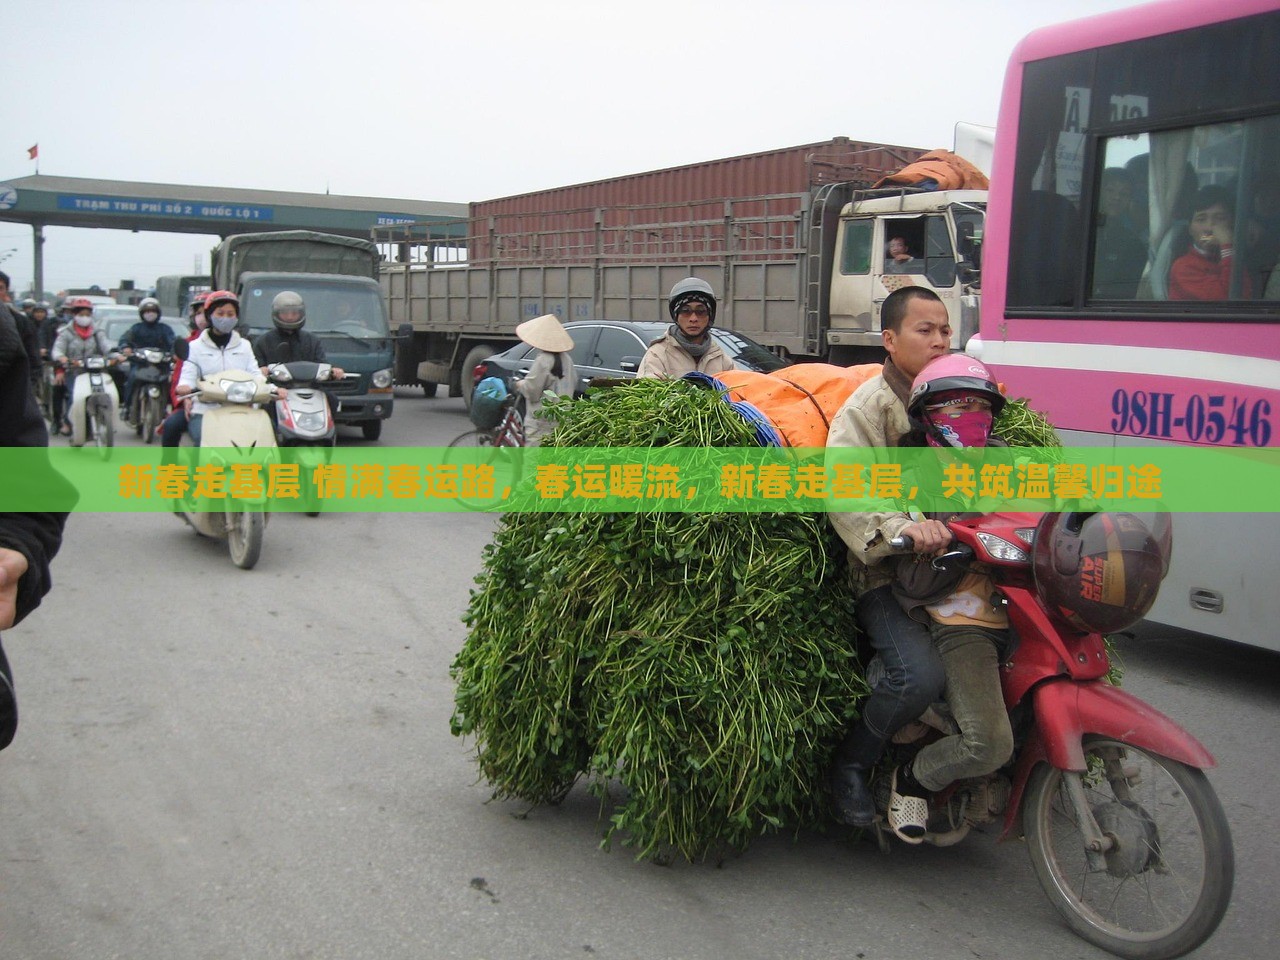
x: 1167, y: 882
x: 245, y: 529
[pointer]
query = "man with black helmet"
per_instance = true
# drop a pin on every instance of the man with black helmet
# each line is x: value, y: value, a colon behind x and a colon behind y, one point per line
x: 288, y: 341
x: 147, y: 332
x: 687, y: 346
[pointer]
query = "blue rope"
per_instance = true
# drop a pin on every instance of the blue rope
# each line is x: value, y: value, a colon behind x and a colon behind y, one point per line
x: 766, y: 435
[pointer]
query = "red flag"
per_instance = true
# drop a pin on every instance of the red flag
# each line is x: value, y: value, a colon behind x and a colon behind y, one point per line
x: 33, y: 152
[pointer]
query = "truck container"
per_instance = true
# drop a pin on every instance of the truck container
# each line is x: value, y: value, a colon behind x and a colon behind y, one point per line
x: 336, y: 278
x: 802, y: 270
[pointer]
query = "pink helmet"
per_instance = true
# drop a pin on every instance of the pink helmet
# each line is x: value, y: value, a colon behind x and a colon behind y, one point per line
x: 949, y: 373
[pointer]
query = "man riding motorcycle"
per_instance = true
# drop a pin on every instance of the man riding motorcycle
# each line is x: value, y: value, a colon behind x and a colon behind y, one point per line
x: 288, y: 341
x: 147, y: 332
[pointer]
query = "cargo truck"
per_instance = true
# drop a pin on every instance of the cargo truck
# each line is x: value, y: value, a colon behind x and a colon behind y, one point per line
x: 336, y: 278
x: 802, y: 272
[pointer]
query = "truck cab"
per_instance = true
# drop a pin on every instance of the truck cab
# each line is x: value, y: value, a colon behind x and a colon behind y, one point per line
x: 349, y: 316
x: 895, y: 238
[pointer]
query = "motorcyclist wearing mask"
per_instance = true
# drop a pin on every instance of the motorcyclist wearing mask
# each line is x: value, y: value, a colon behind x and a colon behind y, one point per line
x: 288, y: 341
x: 687, y: 345
x: 77, y: 341
x: 147, y: 332
x: 175, y: 424
x: 217, y: 349
x: 954, y: 401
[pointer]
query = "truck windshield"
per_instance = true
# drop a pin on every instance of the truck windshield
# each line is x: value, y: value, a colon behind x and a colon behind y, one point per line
x: 332, y: 308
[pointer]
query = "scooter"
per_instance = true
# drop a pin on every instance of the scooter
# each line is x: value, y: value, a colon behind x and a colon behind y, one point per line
x: 150, y: 400
x: 1126, y: 835
x: 304, y: 421
x: 238, y: 432
x: 99, y: 404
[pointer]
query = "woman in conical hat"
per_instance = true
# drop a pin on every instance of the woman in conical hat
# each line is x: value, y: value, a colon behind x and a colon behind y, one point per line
x: 552, y: 370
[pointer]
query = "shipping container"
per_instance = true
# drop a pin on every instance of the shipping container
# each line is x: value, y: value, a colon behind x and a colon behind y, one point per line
x: 683, y: 191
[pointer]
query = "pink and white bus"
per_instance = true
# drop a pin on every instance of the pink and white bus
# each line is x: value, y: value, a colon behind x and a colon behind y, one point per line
x: 1131, y: 266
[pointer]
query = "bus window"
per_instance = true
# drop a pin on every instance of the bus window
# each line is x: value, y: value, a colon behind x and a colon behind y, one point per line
x: 1211, y: 208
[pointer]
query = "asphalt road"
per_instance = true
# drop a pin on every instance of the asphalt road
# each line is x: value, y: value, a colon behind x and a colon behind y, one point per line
x: 214, y: 763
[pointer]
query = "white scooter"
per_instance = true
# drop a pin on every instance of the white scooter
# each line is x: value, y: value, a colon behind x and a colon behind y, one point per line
x: 241, y: 425
x: 305, y: 429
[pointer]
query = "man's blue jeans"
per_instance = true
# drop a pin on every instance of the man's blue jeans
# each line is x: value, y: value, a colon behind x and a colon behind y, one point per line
x: 913, y: 673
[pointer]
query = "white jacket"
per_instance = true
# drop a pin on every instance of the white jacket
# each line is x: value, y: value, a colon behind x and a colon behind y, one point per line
x: 205, y: 357
x: 540, y: 379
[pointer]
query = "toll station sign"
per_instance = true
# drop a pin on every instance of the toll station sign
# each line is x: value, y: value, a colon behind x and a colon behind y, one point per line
x: 138, y: 206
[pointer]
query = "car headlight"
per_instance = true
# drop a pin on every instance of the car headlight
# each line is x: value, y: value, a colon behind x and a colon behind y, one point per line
x: 382, y: 379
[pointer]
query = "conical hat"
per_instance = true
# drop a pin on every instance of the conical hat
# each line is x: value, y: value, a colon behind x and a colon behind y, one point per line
x: 546, y: 333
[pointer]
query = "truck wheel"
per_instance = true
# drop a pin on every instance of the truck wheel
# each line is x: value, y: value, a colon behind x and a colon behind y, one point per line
x: 474, y: 356
x: 428, y: 388
x: 372, y: 429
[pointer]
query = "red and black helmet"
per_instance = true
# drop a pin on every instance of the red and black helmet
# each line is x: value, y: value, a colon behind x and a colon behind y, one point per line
x: 77, y: 303
x: 1100, y: 572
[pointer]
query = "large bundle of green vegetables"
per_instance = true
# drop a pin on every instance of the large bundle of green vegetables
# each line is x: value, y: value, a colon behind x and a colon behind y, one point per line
x: 702, y: 663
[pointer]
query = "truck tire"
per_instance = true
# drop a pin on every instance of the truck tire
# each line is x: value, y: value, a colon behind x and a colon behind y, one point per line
x: 474, y: 356
x: 428, y: 387
x: 372, y: 429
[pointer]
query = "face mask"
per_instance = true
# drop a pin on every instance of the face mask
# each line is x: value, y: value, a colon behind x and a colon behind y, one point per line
x: 84, y: 321
x: 150, y: 317
x: 969, y: 429
x: 224, y: 324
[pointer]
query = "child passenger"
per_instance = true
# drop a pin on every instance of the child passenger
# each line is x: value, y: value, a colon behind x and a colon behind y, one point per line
x: 953, y: 403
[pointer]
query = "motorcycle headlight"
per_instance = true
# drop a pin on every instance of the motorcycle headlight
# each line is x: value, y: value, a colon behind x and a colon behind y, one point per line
x: 1002, y: 549
x: 311, y: 421
x: 382, y: 379
x: 239, y: 391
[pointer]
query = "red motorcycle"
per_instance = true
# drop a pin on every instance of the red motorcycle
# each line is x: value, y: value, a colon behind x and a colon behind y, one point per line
x: 1126, y: 834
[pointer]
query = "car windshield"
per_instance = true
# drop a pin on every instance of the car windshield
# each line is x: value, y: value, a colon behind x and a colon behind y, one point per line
x: 334, y: 309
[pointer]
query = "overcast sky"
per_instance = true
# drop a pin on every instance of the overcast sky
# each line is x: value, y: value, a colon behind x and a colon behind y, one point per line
x: 463, y: 101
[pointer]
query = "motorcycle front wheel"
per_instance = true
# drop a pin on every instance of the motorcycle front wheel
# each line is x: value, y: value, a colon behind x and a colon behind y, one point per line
x: 152, y: 415
x: 245, y: 529
x: 104, y: 430
x: 1164, y: 886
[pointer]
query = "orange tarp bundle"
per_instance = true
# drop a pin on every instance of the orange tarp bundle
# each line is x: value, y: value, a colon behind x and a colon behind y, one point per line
x: 951, y: 171
x: 800, y: 400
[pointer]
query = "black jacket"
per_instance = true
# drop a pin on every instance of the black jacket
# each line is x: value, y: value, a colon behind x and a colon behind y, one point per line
x: 36, y: 535
x: 143, y: 334
x: 276, y: 347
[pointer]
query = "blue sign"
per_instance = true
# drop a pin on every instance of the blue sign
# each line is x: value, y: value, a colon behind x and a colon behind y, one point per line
x: 195, y: 209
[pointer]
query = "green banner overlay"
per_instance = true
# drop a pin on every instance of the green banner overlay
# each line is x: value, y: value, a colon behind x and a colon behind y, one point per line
x: 616, y: 479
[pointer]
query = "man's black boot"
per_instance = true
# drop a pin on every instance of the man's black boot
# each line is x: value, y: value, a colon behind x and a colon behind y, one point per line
x: 851, y: 798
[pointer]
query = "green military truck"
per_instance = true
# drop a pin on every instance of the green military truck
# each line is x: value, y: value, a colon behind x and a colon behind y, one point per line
x: 337, y: 279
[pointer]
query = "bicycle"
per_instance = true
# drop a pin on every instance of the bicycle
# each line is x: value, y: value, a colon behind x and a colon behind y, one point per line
x: 504, y: 469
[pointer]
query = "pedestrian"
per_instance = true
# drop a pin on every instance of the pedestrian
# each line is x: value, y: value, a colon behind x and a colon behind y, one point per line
x: 552, y: 370
x: 28, y: 541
